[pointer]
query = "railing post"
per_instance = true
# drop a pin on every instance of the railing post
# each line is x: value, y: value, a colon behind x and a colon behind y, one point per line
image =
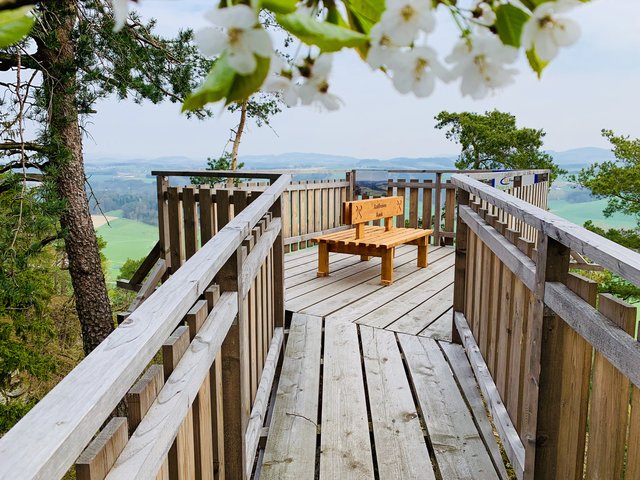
x: 278, y: 269
x: 162, y: 184
x: 543, y: 380
x: 235, y: 373
x: 351, y: 178
x: 460, y: 268
x: 438, y: 208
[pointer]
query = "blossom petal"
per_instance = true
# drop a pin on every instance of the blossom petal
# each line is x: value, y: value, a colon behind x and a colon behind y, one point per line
x: 211, y: 41
x: 425, y: 86
x: 238, y: 16
x: 242, y: 61
x: 567, y: 33
x: 258, y: 41
x: 402, y: 81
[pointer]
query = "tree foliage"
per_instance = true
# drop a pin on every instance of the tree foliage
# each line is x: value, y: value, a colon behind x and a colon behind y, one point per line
x: 616, y: 181
x: 493, y: 141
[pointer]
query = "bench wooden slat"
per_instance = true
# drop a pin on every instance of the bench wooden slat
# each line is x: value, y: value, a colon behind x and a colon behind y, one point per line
x: 367, y: 241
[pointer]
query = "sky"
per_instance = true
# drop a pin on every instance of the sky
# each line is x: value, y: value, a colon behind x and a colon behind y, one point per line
x: 591, y: 85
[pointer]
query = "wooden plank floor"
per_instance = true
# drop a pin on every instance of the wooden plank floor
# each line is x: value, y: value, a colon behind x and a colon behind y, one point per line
x: 370, y: 387
x: 418, y: 302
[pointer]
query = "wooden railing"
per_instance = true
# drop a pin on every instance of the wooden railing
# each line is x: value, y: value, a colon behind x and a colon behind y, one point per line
x: 558, y: 364
x: 195, y: 362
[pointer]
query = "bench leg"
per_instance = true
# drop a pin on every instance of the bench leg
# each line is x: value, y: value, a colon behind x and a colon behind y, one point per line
x: 387, y: 267
x: 423, y: 249
x: 365, y: 258
x: 323, y: 259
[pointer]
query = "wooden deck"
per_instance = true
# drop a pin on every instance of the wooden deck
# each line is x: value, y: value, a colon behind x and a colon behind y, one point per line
x: 419, y: 301
x: 370, y: 386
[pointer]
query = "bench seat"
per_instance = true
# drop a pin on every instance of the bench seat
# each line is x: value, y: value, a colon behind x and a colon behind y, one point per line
x: 367, y: 241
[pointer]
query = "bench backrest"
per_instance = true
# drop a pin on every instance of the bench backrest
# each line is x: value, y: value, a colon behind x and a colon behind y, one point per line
x: 359, y: 212
x: 362, y: 211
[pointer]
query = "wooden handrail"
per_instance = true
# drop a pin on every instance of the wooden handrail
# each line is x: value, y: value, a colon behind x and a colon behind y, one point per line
x: 614, y: 257
x: 46, y: 442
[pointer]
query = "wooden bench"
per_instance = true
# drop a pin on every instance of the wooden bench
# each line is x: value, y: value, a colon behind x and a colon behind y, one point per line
x: 370, y: 241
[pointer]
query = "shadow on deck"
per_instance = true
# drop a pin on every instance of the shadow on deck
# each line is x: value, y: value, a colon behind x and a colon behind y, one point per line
x: 370, y: 386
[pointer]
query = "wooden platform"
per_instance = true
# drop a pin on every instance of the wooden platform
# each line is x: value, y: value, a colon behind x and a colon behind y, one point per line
x: 418, y: 302
x: 370, y: 388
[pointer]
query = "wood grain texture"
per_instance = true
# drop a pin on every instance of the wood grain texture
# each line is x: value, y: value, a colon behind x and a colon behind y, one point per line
x: 459, y: 450
x: 150, y: 443
x: 345, y: 449
x: 98, y: 458
x: 291, y: 445
x: 401, y: 450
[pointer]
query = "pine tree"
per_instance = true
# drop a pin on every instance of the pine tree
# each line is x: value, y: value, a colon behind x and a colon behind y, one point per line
x: 72, y: 59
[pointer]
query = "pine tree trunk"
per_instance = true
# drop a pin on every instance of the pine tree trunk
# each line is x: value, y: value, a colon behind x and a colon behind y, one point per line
x: 58, y: 58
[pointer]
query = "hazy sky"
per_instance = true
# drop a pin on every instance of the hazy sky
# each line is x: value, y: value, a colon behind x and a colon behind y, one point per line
x: 593, y: 85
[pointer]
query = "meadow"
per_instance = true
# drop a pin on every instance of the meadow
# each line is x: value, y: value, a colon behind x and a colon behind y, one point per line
x: 125, y: 239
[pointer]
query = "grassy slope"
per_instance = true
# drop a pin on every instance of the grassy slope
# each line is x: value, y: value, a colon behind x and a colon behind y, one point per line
x: 126, y: 239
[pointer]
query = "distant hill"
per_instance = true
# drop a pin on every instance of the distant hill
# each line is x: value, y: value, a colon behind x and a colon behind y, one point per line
x: 571, y: 159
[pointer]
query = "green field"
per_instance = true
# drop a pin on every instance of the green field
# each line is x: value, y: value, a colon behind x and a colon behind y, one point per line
x: 579, y: 213
x: 125, y: 239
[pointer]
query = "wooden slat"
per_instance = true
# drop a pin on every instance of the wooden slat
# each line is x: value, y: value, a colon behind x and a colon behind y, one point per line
x: 459, y: 364
x: 182, y: 452
x: 401, y: 194
x: 190, y: 221
x: 413, y: 203
x: 511, y: 440
x: 609, y: 401
x: 202, y: 407
x: 98, y: 458
x: 207, y: 215
x: 429, y: 311
x: 401, y: 451
x: 456, y: 442
x: 291, y: 445
x: 176, y: 246
x: 345, y: 449
x: 427, y: 199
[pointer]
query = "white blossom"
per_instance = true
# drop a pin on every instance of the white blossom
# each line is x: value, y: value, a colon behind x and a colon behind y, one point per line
x: 237, y: 33
x: 316, y: 85
x: 283, y: 81
x: 483, y: 14
x: 480, y: 61
x: 403, y: 19
x: 416, y: 71
x: 120, y: 13
x: 382, y: 49
x: 547, y: 32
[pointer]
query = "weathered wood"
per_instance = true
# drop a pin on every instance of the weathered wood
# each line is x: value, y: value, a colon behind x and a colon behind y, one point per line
x: 413, y: 203
x: 98, y: 458
x: 142, y: 395
x: 463, y: 373
x: 190, y: 221
x: 345, y: 449
x: 181, y: 455
x: 609, y: 400
x: 401, y: 451
x: 176, y: 244
x: 511, y: 440
x: 610, y: 255
x: 162, y: 185
x: 456, y: 442
x: 607, y: 338
x: 291, y: 445
x: 143, y: 455
x: 74, y: 410
x: 207, y: 215
x: 460, y: 281
x: 543, y: 379
x: 259, y: 410
x: 427, y: 198
x: 256, y: 258
x: 223, y: 208
x: 438, y: 209
x: 574, y: 401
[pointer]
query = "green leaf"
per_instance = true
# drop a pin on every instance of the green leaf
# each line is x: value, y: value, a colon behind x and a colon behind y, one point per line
x: 334, y: 17
x: 509, y: 23
x: 537, y: 65
x: 280, y: 6
x: 214, y: 88
x: 244, y: 85
x: 15, y: 25
x: 329, y: 37
x: 366, y: 12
